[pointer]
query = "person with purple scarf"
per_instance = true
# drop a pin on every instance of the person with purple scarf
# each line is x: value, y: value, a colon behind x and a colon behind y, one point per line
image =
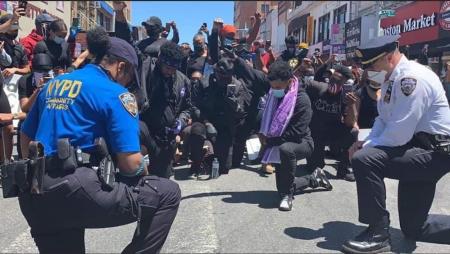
x: 286, y: 135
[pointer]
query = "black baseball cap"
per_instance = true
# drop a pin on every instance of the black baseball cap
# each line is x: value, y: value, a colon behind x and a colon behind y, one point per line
x: 122, y: 49
x: 44, y: 17
x: 152, y: 21
x: 5, y: 18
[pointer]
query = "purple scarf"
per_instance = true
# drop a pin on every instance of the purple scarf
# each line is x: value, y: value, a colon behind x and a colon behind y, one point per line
x: 276, y: 118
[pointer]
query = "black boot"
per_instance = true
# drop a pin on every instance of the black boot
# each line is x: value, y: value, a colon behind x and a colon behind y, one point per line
x: 374, y: 239
x: 343, y: 172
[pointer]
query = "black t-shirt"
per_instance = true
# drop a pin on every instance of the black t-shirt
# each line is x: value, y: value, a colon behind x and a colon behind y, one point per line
x: 26, y: 86
x: 367, y: 110
x: 327, y: 108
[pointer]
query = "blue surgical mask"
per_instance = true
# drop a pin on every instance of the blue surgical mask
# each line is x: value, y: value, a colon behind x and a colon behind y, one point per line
x: 278, y: 93
x: 58, y: 40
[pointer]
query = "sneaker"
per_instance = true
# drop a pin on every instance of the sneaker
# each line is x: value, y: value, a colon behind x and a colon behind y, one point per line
x: 344, y: 173
x: 285, y: 203
x: 371, y: 240
x: 319, y: 179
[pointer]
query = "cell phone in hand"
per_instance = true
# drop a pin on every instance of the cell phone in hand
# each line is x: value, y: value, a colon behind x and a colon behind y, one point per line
x: 231, y: 89
x: 268, y: 43
x: 23, y: 5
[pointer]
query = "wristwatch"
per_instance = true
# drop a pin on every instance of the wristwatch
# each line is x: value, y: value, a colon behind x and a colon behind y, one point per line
x: 15, y: 116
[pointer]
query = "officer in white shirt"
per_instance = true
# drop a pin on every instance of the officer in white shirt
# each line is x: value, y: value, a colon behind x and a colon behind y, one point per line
x: 410, y: 141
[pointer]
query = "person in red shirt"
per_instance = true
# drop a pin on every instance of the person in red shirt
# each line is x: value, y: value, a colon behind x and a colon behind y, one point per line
x: 38, y: 34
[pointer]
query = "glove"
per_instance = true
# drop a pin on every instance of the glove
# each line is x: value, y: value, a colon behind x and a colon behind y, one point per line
x: 176, y: 129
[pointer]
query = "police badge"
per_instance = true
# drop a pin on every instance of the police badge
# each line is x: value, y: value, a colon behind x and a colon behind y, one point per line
x: 129, y: 103
x: 408, y: 85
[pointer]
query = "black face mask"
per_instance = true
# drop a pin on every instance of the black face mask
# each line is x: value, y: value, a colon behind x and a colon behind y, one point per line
x: 12, y: 36
x: 153, y: 32
x: 198, y: 47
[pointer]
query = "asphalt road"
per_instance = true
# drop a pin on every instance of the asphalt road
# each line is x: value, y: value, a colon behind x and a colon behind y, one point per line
x: 237, y: 213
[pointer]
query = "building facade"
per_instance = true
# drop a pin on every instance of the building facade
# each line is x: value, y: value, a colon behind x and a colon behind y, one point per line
x: 93, y: 13
x: 244, y: 10
x: 57, y: 9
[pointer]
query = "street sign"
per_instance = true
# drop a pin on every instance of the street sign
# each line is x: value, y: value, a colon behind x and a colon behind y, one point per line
x: 387, y: 13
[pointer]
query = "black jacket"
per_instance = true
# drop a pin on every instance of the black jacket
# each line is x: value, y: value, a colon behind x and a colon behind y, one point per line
x: 59, y: 53
x: 211, y: 103
x: 169, y: 101
x: 298, y: 127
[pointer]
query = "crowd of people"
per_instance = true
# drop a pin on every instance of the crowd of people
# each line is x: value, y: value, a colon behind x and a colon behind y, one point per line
x: 194, y: 104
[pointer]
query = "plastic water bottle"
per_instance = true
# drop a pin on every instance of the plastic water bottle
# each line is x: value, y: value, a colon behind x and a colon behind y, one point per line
x: 215, y: 169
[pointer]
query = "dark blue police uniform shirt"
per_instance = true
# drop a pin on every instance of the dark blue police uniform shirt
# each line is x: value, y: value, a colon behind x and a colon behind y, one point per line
x: 82, y: 106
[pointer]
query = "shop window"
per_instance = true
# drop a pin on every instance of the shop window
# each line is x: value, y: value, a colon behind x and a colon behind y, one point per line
x: 339, y: 15
x: 314, y: 32
x: 265, y: 8
x: 324, y: 28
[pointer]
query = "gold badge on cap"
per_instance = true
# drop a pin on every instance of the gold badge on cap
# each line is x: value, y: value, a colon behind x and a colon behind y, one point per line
x: 358, y: 53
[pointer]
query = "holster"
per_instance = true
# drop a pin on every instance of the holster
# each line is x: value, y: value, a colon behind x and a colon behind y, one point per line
x: 437, y: 143
x: 66, y: 155
x: 15, y: 178
x: 101, y: 157
x: 36, y: 167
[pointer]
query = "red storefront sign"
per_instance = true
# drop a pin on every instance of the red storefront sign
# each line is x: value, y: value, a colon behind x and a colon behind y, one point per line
x: 416, y: 22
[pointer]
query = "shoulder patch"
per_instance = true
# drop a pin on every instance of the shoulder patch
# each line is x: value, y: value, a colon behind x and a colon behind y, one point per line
x: 129, y: 103
x: 408, y: 85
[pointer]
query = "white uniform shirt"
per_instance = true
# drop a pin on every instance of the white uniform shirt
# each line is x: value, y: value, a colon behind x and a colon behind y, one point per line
x: 412, y: 100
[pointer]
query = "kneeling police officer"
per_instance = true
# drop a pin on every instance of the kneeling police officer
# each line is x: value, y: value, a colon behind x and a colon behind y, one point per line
x: 71, y: 114
x: 410, y: 142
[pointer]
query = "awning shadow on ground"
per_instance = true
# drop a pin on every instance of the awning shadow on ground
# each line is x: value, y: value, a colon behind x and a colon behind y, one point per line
x: 335, y: 233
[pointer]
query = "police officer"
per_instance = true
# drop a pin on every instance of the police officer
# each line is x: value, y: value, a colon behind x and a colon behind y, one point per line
x: 82, y: 106
x: 409, y: 142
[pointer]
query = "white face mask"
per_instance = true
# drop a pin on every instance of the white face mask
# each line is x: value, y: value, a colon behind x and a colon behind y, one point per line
x: 377, y: 76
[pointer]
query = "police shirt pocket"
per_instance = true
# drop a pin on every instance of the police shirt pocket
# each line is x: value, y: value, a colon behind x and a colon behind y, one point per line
x: 148, y: 195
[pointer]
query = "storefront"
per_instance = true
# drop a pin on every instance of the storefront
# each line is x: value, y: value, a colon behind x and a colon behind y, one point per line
x: 299, y: 27
x: 420, y: 24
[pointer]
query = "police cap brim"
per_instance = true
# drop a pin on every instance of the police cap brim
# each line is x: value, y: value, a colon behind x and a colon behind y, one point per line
x: 376, y: 48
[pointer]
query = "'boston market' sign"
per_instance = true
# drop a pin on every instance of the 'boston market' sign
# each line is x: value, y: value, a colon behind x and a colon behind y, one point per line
x: 416, y: 22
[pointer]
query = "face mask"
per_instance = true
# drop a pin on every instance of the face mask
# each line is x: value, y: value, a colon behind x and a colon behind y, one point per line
x: 227, y: 42
x: 278, y: 93
x: 58, y: 40
x: 152, y: 32
x: 198, y: 47
x: 377, y: 76
x: 334, y: 89
x: 12, y: 36
x: 309, y: 78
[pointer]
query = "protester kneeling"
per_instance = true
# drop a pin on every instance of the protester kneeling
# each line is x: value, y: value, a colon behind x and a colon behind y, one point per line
x: 285, y: 133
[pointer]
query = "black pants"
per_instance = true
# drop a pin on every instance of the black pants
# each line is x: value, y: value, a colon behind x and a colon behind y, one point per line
x: 342, y: 136
x: 71, y: 203
x: 418, y: 171
x: 290, y: 153
x: 243, y: 133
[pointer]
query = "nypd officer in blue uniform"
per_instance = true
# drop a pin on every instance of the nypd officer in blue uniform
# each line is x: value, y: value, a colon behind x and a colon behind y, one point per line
x: 82, y: 106
x: 410, y: 142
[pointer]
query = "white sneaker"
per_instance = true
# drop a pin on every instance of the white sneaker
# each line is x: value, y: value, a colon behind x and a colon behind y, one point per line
x: 286, y: 203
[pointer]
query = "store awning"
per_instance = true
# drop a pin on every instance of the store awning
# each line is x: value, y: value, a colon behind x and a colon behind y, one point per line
x: 106, y: 7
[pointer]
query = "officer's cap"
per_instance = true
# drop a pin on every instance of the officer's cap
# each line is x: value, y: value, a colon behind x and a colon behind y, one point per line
x: 122, y: 49
x: 376, y: 48
x: 5, y: 18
